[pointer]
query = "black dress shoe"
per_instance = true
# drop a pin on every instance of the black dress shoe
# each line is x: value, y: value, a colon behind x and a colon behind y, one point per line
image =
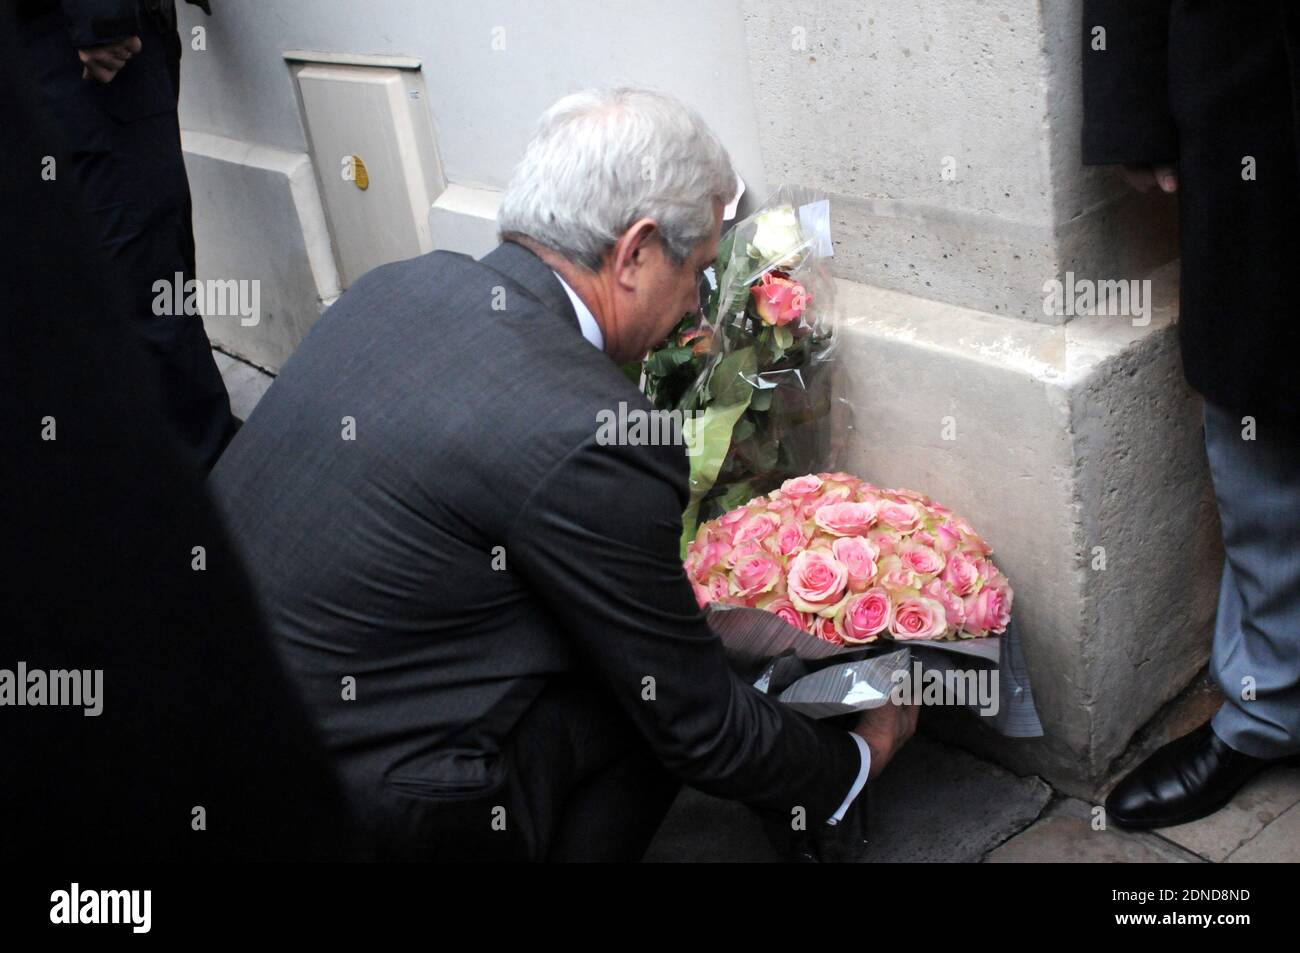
x: 842, y: 843
x: 1188, y: 778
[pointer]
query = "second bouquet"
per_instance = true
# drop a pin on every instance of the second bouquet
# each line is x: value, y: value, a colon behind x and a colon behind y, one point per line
x: 749, y: 371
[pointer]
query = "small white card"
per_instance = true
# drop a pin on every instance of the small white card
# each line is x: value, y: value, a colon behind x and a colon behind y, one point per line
x: 815, y: 220
x: 729, y: 212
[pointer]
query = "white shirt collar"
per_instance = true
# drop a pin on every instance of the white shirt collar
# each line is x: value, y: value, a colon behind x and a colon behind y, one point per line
x: 586, y: 320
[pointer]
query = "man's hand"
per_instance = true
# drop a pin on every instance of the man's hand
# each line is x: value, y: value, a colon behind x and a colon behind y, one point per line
x: 885, y: 730
x: 102, y: 62
x: 1143, y: 177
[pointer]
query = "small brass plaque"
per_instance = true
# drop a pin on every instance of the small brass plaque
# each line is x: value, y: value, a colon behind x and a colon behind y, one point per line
x: 360, y: 176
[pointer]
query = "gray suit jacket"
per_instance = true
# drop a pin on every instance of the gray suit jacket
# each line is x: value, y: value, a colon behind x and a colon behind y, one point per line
x: 475, y: 402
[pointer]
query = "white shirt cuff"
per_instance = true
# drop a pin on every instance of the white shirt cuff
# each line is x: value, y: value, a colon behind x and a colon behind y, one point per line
x: 859, y: 783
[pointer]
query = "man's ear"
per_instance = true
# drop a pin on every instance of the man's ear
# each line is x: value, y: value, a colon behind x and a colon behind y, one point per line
x: 631, y: 249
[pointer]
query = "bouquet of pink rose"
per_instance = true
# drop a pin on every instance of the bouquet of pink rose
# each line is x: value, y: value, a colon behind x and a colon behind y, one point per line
x: 849, y: 563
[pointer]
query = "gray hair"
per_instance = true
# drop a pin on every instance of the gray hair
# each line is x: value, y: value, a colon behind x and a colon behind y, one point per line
x: 603, y: 159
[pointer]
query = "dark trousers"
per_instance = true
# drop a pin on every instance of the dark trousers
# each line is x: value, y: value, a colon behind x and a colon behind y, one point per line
x: 580, y: 785
x: 119, y: 148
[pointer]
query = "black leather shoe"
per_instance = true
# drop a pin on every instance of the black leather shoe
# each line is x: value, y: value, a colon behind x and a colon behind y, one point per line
x: 842, y: 843
x: 1188, y: 778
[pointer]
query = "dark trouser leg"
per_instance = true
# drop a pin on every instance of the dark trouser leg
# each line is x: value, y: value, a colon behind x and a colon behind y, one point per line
x: 1256, y: 656
x: 580, y: 785
x: 594, y: 789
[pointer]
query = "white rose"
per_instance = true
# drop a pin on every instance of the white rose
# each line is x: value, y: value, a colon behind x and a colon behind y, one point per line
x: 777, y: 236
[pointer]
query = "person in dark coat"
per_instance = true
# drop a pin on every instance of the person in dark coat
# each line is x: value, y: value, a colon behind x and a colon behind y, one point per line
x: 1202, y: 98
x: 196, y: 747
x: 481, y: 596
x: 108, y: 73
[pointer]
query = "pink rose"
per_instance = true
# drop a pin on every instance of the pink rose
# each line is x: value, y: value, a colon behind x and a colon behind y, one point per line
x: 886, y: 541
x: 918, y: 617
x: 779, y: 504
x: 989, y: 610
x: 902, y: 515
x: 961, y: 573
x: 868, y: 492
x: 788, y: 540
x: 971, y: 539
x: 732, y: 517
x: 949, y: 537
x: 828, y: 630
x: 897, y: 577
x: 741, y: 552
x: 830, y: 494
x: 755, y: 528
x: 801, y: 486
x: 778, y: 300
x: 753, y: 575
x: 699, y: 339
x: 703, y: 560
x: 867, y: 615
x: 816, y: 581
x: 845, y: 519
x: 783, y: 607
x: 953, y: 606
x: 714, y: 589
x: 922, y: 560
x: 925, y: 538
x: 859, y: 557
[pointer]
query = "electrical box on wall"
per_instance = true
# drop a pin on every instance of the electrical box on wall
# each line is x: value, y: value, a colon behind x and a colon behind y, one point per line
x: 372, y: 144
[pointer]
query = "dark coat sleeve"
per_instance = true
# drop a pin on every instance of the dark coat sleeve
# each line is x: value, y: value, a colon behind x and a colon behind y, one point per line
x: 1126, y: 116
x: 598, y: 539
x: 96, y: 22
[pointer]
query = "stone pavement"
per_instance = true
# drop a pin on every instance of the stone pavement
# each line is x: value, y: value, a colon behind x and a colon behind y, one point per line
x: 938, y: 803
x: 245, y: 383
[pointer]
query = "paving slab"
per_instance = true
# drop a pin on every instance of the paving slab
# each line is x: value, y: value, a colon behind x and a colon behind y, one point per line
x: 245, y: 383
x: 1256, y: 807
x: 1065, y: 834
x: 935, y: 803
x: 1278, y: 843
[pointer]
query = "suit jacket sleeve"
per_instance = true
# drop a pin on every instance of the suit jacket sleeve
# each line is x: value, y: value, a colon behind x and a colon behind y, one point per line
x: 1126, y: 116
x: 96, y: 22
x: 598, y: 540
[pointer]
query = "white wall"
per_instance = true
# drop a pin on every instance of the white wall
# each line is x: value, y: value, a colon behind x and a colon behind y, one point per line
x: 484, y: 102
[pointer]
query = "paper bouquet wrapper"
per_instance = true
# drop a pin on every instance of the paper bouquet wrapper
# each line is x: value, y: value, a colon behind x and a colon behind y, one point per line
x: 823, y: 680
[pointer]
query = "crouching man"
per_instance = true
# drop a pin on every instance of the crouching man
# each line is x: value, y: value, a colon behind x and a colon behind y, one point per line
x: 481, y: 601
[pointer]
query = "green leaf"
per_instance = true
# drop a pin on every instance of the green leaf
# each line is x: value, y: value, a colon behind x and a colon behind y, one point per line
x: 666, y: 360
x: 743, y: 430
x: 708, y: 438
x: 762, y: 399
x: 784, y: 338
x: 730, y: 381
x: 737, y: 494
